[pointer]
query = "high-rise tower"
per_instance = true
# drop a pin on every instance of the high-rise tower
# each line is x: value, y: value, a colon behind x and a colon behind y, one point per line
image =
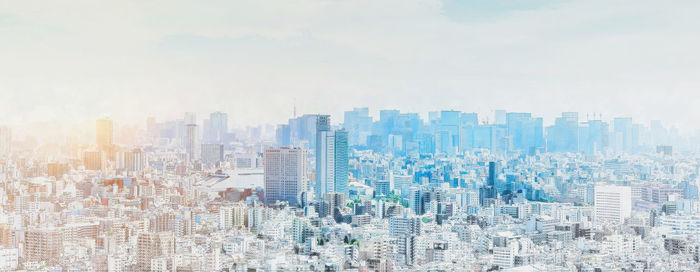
x: 331, y: 159
x: 191, y: 142
x: 325, y: 157
x: 285, y: 175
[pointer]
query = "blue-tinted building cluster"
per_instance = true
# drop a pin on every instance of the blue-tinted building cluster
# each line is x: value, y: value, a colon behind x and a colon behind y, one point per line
x: 450, y: 132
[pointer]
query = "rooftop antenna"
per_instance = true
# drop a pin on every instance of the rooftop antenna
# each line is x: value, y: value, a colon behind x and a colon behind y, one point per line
x: 295, y: 107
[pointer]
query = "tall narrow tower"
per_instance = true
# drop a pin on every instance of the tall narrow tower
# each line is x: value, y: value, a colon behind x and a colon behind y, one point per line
x: 325, y: 157
x: 331, y: 159
x: 191, y: 142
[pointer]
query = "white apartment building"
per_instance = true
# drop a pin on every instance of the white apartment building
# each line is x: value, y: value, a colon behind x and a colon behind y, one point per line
x: 612, y: 203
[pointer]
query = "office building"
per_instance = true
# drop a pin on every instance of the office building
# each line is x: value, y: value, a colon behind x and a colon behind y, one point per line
x: 448, y: 133
x: 93, y: 160
x: 246, y: 160
x: 132, y: 161
x: 283, y: 135
x: 212, y: 153
x: 525, y: 133
x: 43, y: 245
x: 404, y: 226
x: 192, y: 142
x: 612, y: 203
x: 564, y: 135
x: 9, y: 259
x: 624, y: 138
x: 593, y: 137
x: 57, y: 170
x: 285, y: 175
x: 331, y: 159
x: 488, y: 193
x: 215, y: 128
x: 358, y: 123
x: 233, y: 216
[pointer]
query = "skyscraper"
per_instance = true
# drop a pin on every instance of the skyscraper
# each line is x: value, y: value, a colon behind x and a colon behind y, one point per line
x: 285, y: 174
x: 191, y: 142
x: 415, y: 202
x: 218, y: 122
x: 499, y: 117
x: 563, y: 136
x: 302, y: 131
x: 358, y: 123
x: 283, y: 135
x: 325, y: 157
x: 341, y: 161
x: 623, y: 137
x: 467, y: 125
x: 593, y: 136
x: 488, y: 193
x: 525, y: 132
x: 448, y: 134
x: 105, y: 134
x: 331, y: 159
x: 387, y: 124
x: 492, y: 174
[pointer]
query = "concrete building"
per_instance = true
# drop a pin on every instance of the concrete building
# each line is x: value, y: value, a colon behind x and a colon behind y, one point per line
x: 192, y: 142
x: 612, y: 203
x: 9, y: 259
x: 94, y: 160
x: 285, y: 175
x: 212, y: 153
x: 232, y: 216
x: 43, y: 245
x: 331, y: 159
x: 151, y: 245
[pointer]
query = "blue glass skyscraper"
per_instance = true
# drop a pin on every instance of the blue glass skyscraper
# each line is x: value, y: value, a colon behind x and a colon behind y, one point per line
x: 331, y: 159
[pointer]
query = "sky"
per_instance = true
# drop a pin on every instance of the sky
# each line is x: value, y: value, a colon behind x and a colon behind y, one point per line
x: 68, y: 62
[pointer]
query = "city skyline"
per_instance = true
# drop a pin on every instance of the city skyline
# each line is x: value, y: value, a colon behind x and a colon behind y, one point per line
x: 349, y: 136
x: 85, y: 130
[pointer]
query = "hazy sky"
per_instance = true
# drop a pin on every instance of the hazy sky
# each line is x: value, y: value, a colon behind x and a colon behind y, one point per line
x: 72, y: 61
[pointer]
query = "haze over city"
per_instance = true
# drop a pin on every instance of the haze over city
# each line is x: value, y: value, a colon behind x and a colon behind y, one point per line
x: 452, y: 135
x: 74, y: 61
